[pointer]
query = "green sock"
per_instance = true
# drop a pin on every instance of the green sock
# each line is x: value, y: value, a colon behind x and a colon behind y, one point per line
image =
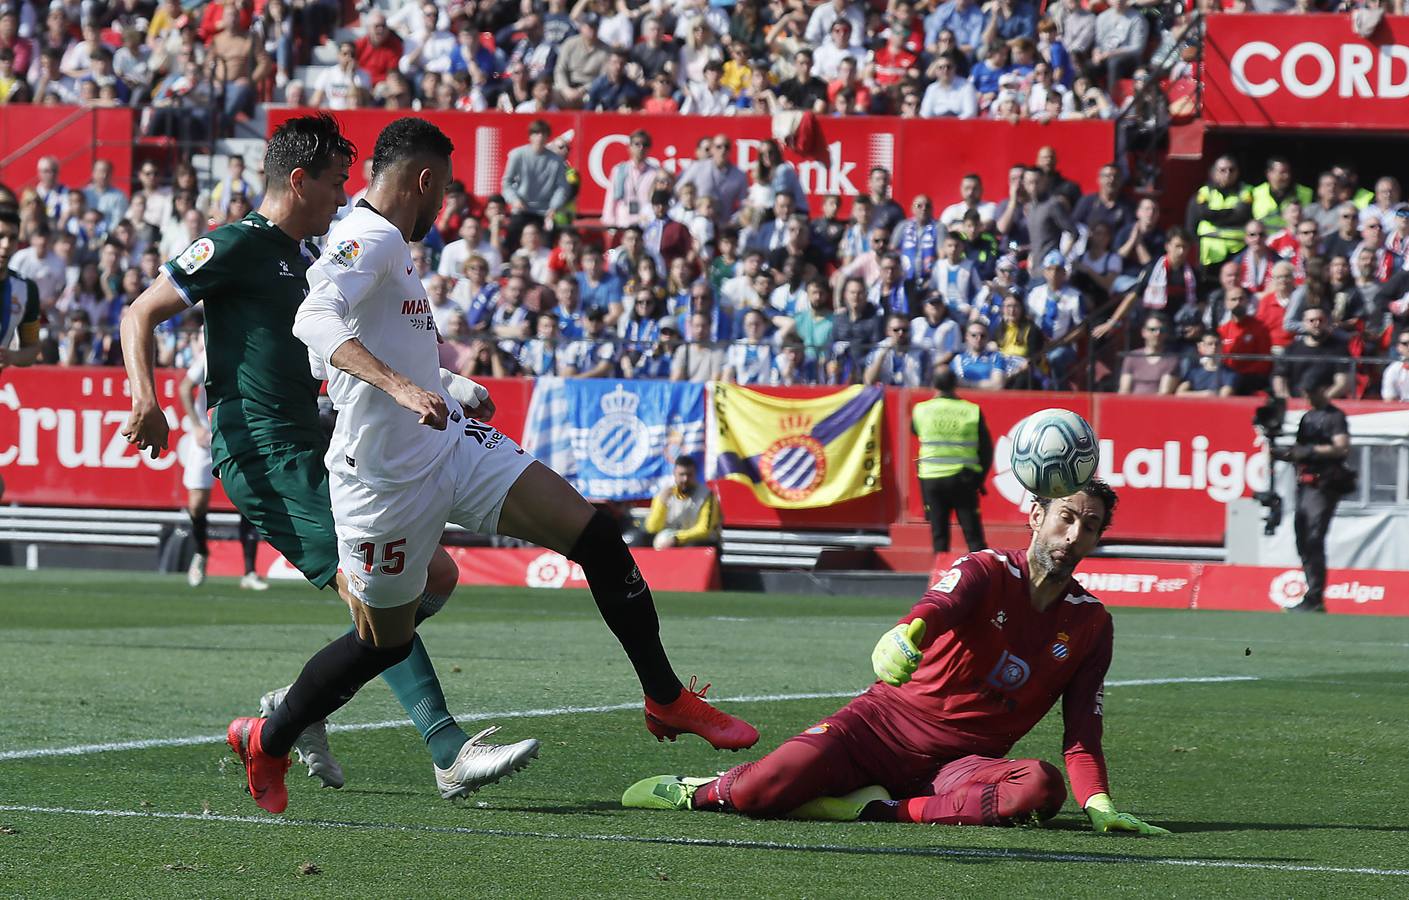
x: 418, y: 690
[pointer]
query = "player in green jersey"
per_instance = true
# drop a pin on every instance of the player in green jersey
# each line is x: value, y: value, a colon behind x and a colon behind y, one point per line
x: 267, y: 444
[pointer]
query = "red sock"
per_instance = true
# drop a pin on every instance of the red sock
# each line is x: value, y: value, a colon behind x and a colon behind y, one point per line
x: 707, y: 798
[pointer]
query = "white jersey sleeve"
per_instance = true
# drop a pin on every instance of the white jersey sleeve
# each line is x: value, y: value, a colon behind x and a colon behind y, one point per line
x: 196, y: 374
x: 364, y: 286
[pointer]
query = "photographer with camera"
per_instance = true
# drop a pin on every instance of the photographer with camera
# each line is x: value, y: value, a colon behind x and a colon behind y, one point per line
x: 1321, y: 448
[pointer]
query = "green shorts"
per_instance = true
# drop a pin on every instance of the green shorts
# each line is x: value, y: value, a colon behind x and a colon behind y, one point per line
x: 284, y: 493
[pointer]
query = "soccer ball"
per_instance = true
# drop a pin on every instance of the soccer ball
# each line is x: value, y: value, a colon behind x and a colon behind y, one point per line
x: 1055, y: 452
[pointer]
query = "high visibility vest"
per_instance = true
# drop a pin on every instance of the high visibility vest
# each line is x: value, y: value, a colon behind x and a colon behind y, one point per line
x: 1268, y: 210
x: 948, y: 432
x: 1217, y: 244
x: 1363, y: 198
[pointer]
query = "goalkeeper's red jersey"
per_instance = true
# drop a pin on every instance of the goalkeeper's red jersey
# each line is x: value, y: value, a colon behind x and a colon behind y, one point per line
x: 993, y: 665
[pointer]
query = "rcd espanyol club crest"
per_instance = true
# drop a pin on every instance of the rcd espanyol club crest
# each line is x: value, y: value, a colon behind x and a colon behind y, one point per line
x: 619, y: 443
x: 796, y: 464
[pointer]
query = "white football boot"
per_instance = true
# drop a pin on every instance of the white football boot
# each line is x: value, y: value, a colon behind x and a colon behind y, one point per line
x: 311, y: 746
x: 195, y: 575
x: 252, y: 582
x: 479, y: 764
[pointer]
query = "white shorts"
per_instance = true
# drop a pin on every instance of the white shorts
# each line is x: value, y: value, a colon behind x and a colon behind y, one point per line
x: 386, y: 536
x: 196, y: 464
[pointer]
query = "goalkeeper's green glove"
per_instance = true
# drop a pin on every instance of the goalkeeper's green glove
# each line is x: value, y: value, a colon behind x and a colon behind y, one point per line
x: 897, y: 654
x: 1104, y: 818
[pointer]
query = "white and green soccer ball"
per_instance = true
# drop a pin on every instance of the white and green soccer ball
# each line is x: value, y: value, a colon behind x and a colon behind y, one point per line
x: 1055, y: 452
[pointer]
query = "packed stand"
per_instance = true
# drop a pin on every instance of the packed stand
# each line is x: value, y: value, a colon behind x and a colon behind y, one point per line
x: 718, y: 274
x: 183, y: 63
x: 726, y: 273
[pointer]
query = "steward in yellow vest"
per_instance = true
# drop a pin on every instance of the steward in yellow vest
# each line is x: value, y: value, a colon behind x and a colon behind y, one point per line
x: 956, y: 452
x: 1218, y: 211
x: 1269, y: 197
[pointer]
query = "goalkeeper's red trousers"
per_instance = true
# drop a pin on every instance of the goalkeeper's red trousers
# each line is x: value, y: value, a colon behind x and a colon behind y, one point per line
x: 851, y: 750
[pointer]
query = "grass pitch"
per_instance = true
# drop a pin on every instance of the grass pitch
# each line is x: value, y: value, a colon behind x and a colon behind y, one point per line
x: 115, y: 781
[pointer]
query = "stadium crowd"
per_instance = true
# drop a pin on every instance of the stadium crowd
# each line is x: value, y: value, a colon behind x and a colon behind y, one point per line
x: 722, y: 273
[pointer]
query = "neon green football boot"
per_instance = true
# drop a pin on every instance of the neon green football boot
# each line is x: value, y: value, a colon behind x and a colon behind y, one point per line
x: 663, y: 792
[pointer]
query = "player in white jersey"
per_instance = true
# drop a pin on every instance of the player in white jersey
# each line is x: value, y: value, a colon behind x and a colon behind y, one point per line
x: 198, y: 477
x: 406, y: 458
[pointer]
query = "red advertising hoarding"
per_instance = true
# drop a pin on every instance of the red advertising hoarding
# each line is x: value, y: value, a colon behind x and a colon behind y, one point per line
x: 1309, y: 71
x: 61, y: 441
x: 675, y: 569
x: 925, y: 155
x: 1262, y: 588
x: 1177, y: 461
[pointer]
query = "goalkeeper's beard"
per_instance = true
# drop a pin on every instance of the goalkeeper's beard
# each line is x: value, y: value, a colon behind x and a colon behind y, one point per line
x: 1048, y: 564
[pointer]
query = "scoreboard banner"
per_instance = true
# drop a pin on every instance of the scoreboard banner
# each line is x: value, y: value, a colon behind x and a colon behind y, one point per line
x: 1312, y: 71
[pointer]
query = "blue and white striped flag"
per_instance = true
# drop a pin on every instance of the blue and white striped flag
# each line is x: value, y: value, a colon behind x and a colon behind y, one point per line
x: 614, y: 440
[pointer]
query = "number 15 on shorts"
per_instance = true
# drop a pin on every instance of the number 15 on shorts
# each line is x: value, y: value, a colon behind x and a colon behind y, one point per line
x: 391, y: 561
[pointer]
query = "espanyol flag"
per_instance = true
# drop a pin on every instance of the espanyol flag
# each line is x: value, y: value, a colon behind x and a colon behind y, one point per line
x: 614, y: 440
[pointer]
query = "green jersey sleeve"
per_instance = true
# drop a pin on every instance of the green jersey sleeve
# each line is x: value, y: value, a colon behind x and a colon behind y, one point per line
x: 208, y: 266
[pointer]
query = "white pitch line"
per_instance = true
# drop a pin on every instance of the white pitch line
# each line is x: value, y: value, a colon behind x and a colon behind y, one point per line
x: 941, y: 852
x: 194, y: 740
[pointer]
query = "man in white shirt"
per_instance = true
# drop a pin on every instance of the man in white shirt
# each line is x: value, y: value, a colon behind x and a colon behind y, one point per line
x: 1394, y: 386
x: 429, y: 48
x: 711, y: 98
x: 469, y: 243
x: 407, y: 456
x: 948, y: 95
x: 40, y: 264
x: 819, y: 24
x: 826, y: 59
x: 343, y: 86
x: 971, y: 192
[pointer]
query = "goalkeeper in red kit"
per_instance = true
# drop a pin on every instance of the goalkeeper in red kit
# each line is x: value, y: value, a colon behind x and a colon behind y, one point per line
x: 965, y: 674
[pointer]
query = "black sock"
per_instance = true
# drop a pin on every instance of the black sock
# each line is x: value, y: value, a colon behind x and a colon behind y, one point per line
x: 625, y: 602
x: 198, y: 533
x: 249, y: 543
x: 327, y: 682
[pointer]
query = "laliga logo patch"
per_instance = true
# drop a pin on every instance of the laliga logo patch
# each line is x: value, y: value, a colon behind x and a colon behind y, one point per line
x: 947, y: 581
x: 1288, y: 588
x: 819, y: 729
x: 196, y: 255
x: 620, y: 442
x: 346, y: 253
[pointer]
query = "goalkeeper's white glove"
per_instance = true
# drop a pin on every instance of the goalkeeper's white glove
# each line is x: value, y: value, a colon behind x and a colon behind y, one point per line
x: 897, y: 654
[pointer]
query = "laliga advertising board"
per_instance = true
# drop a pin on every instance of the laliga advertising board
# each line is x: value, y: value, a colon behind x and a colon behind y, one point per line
x: 1176, y: 462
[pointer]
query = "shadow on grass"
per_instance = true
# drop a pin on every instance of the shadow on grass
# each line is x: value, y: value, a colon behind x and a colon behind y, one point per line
x: 1200, y: 827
